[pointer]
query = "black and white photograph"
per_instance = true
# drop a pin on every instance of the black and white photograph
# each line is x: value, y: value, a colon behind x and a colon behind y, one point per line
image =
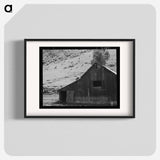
x: 79, y: 77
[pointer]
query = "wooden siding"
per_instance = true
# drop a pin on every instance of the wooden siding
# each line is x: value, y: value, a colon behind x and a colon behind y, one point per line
x: 83, y: 90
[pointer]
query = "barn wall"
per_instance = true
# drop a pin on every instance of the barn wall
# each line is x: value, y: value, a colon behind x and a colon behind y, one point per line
x: 84, y: 92
x: 95, y: 100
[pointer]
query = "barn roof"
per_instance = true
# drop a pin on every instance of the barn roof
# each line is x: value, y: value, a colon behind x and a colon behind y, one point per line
x: 108, y: 69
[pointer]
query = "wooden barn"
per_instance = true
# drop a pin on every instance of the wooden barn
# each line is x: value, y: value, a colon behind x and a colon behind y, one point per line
x: 98, y: 85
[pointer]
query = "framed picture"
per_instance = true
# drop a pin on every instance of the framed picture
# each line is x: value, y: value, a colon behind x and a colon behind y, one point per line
x: 79, y: 78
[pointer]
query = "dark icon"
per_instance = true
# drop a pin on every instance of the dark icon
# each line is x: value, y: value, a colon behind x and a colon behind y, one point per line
x: 8, y: 8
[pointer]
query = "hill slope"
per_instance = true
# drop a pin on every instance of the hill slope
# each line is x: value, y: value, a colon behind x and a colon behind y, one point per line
x: 62, y: 67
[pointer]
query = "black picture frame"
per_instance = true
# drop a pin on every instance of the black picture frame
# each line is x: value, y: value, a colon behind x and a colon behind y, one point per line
x: 77, y: 107
x: 40, y: 78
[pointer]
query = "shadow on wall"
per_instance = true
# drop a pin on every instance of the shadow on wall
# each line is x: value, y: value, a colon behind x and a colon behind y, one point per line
x: 14, y: 79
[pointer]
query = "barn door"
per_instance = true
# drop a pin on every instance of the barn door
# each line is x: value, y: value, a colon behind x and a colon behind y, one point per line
x: 63, y: 96
x: 70, y: 95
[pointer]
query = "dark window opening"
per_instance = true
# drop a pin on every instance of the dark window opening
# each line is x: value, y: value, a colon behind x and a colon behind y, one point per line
x: 97, y: 83
x: 63, y: 96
